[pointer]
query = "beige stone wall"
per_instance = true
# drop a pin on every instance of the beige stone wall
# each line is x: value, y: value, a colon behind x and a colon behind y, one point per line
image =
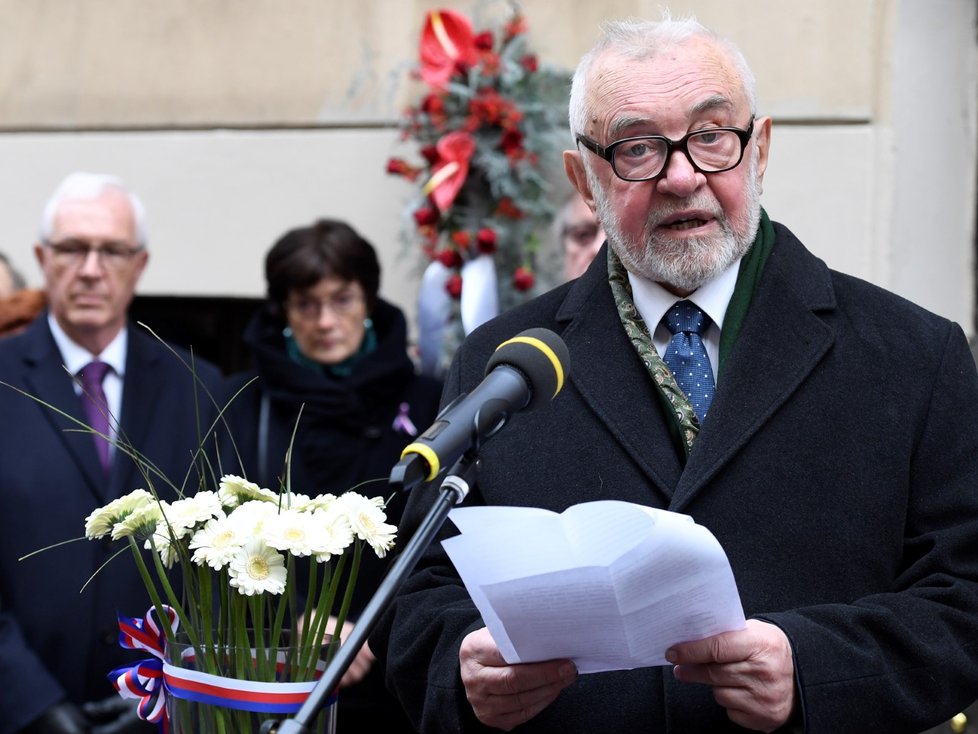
x: 97, y: 64
x: 237, y: 119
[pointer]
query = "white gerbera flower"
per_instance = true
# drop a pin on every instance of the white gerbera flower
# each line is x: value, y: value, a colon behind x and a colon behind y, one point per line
x: 184, y: 515
x: 234, y: 491
x: 332, y: 533
x: 321, y: 502
x: 368, y: 520
x: 257, y: 569
x: 217, y: 543
x: 249, y: 518
x: 161, y: 540
x: 100, y: 522
x: 139, y: 523
x: 290, y: 530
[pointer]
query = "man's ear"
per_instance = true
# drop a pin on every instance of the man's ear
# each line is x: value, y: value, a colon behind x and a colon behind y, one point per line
x: 574, y: 168
x: 762, y: 138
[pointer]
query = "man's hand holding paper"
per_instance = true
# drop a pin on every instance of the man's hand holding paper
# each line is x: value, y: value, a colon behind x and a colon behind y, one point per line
x: 610, y: 585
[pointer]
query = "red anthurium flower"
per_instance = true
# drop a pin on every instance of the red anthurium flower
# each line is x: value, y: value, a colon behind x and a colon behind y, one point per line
x: 454, y: 153
x: 454, y: 285
x: 486, y: 241
x: 447, y: 42
x: 523, y: 279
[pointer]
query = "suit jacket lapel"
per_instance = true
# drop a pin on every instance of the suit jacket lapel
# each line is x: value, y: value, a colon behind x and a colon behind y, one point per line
x: 140, y: 394
x: 604, y: 360
x: 46, y: 380
x: 782, y: 340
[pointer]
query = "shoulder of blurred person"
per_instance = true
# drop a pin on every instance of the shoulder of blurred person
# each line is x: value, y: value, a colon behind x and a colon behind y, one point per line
x: 19, y: 309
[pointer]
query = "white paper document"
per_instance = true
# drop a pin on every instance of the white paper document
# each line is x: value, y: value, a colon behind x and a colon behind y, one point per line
x: 610, y: 584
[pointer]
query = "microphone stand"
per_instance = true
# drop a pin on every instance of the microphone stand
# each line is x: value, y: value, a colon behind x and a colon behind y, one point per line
x: 454, y: 488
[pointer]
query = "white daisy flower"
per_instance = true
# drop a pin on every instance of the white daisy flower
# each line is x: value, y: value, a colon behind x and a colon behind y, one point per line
x: 249, y: 518
x: 185, y: 514
x: 257, y: 569
x: 332, y: 533
x: 368, y: 520
x: 290, y: 530
x: 140, y: 522
x: 100, y: 522
x: 234, y: 491
x: 217, y: 543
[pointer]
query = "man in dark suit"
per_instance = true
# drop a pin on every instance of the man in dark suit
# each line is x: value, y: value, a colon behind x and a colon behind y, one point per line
x: 59, y: 641
x: 829, y: 441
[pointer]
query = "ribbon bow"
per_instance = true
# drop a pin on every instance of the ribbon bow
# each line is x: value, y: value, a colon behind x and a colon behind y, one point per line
x: 143, y: 680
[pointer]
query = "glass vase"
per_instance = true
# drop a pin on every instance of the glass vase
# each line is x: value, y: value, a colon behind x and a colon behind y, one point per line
x: 228, y: 689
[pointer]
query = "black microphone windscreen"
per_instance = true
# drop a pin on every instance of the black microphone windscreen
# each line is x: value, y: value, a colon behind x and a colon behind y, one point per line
x: 541, y: 356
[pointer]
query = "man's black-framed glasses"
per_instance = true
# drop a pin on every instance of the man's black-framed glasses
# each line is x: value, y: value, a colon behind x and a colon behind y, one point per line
x: 710, y: 150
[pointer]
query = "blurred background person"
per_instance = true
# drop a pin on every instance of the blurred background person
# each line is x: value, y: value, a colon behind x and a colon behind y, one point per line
x: 326, y: 342
x: 581, y: 235
x: 58, y: 642
x: 10, y: 279
x: 19, y: 305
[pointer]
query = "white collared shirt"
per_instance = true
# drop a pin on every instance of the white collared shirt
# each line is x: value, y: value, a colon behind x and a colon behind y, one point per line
x: 76, y: 356
x: 653, y: 301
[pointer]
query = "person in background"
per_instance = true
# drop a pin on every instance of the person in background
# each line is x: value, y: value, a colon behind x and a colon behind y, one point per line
x: 326, y: 342
x: 826, y: 440
x: 58, y: 642
x: 11, y: 280
x: 19, y: 305
x: 581, y: 235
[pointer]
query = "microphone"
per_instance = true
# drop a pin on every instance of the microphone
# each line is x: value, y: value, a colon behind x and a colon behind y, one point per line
x: 524, y: 372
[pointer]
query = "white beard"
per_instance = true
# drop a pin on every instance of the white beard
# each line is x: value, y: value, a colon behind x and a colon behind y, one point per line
x: 685, y: 265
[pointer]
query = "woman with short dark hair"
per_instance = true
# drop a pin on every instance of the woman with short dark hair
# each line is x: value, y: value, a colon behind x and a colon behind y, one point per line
x: 325, y: 342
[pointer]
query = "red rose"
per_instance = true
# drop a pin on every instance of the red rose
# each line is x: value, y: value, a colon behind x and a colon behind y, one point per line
x: 461, y: 238
x: 484, y: 41
x: 486, y: 240
x: 449, y: 258
x: 425, y: 215
x: 454, y: 285
x: 430, y: 154
x: 529, y: 62
x: 523, y: 279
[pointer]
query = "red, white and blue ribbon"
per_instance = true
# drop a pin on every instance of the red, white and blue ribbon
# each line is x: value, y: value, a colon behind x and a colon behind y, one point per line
x: 143, y: 680
x: 233, y: 693
x: 150, y: 681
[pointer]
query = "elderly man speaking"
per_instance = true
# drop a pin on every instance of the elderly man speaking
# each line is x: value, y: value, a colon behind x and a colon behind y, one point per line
x: 820, y: 427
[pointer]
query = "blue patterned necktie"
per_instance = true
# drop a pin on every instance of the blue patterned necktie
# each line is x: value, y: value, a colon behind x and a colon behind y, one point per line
x: 686, y: 355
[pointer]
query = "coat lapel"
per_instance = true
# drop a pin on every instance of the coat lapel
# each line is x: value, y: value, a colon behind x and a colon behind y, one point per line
x: 140, y: 395
x: 604, y: 361
x: 782, y: 340
x: 47, y: 381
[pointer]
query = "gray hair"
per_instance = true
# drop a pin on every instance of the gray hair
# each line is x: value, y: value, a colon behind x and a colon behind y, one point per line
x: 84, y: 185
x: 640, y: 39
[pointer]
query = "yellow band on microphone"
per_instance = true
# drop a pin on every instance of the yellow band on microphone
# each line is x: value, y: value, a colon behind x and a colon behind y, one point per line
x: 543, y: 347
x: 434, y: 466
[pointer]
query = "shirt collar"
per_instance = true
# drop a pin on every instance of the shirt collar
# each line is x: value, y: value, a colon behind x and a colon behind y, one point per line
x: 652, y: 300
x: 76, y: 356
